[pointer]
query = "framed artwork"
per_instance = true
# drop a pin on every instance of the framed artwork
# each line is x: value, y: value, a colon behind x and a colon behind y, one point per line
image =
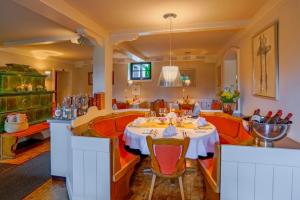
x: 265, y: 62
x: 90, y: 78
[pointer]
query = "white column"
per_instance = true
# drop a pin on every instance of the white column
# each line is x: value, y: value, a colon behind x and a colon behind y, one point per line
x: 102, y: 71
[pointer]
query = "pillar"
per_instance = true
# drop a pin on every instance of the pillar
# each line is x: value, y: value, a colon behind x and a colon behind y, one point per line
x: 102, y: 72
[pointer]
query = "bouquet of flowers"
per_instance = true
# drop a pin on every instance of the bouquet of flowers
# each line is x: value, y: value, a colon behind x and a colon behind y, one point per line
x: 229, y: 95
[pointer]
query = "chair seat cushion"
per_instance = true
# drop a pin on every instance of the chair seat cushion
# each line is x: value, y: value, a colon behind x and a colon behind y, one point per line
x: 167, y: 157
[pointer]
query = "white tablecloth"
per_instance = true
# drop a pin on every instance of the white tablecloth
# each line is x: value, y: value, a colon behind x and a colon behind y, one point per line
x: 202, y: 141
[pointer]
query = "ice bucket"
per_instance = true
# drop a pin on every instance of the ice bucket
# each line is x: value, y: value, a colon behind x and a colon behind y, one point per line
x: 268, y: 133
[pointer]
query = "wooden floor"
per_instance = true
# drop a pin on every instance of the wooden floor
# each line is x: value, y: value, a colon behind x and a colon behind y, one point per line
x: 166, y: 189
x: 29, y: 154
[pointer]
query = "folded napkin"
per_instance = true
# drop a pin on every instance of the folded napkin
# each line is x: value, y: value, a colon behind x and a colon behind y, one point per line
x: 139, y: 121
x: 171, y: 115
x: 169, y: 131
x: 200, y: 121
x: 196, y: 110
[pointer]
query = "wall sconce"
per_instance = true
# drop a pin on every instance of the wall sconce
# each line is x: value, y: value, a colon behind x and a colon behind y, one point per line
x: 47, y: 73
x: 130, y: 83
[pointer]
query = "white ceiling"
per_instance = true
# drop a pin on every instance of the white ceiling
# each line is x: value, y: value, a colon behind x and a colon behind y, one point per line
x: 18, y: 23
x: 121, y: 15
x: 117, y: 16
x: 193, y: 43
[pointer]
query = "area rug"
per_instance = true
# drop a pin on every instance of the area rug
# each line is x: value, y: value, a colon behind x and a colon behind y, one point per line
x: 19, y: 181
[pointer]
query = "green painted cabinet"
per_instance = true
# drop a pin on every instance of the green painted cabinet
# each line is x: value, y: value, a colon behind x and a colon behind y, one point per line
x: 22, y: 89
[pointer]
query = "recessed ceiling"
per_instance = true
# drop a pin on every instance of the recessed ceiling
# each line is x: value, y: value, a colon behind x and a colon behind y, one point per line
x: 119, y: 15
x: 62, y: 50
x: 192, y: 43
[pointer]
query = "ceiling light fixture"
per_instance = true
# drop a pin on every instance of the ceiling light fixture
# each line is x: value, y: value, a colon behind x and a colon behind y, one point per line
x: 170, y: 75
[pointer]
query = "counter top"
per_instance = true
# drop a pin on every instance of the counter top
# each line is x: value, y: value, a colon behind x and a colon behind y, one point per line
x: 62, y: 121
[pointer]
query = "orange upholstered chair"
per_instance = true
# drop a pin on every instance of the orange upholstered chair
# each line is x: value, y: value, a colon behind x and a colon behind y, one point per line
x: 210, y: 169
x: 167, y: 159
x: 216, y: 105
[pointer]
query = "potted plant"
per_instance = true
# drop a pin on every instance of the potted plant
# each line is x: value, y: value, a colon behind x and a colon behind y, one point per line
x: 229, y: 97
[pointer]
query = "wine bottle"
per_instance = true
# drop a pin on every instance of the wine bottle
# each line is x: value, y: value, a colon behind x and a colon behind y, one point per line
x: 267, y: 117
x: 256, y: 116
x: 276, y: 118
x: 286, y: 120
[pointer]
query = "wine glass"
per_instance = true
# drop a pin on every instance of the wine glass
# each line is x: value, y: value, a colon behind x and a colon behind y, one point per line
x: 161, y: 112
x: 152, y: 113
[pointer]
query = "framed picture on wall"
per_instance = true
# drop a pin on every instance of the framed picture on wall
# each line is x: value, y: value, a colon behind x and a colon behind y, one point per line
x: 90, y: 78
x: 265, y: 62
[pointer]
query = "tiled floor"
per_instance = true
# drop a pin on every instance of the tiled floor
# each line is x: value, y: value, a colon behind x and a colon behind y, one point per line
x: 164, y: 188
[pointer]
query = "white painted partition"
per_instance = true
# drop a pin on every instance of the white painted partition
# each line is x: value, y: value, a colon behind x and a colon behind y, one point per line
x: 254, y: 173
x: 89, y: 173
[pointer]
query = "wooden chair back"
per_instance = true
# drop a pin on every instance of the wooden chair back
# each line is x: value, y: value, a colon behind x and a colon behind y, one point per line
x: 168, y: 155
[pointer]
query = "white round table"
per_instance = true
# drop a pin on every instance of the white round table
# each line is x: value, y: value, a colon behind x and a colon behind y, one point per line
x: 202, y: 141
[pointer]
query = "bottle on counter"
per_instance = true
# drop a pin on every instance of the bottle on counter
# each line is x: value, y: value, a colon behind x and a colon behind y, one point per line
x: 276, y: 118
x: 267, y: 117
x: 256, y: 116
x: 287, y: 119
x: 74, y: 112
x: 64, y: 112
x: 58, y: 112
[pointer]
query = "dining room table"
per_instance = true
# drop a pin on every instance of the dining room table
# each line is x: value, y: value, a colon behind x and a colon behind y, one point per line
x: 202, y: 137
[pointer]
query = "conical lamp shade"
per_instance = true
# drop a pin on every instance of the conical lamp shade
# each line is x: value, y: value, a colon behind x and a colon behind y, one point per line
x: 169, y: 77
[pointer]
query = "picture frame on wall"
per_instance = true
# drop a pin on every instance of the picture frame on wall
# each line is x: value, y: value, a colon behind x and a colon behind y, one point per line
x: 266, y: 62
x: 90, y: 78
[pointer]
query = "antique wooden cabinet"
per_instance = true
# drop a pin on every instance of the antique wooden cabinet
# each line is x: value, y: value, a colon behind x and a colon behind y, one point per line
x: 22, y: 89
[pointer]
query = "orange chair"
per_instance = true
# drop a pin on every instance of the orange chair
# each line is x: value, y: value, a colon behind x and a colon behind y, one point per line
x: 167, y: 159
x: 210, y: 169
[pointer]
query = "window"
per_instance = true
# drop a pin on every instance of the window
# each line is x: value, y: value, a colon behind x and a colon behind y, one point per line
x: 140, y: 71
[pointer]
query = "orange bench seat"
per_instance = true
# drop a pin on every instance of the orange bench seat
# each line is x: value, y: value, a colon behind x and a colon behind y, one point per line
x: 9, y: 141
x: 33, y: 129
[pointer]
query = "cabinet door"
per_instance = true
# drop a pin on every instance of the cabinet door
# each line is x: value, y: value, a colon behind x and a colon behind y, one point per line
x: 12, y: 103
x: 2, y: 104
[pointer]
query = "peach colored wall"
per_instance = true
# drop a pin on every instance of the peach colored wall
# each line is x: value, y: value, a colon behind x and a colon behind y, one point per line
x: 205, y: 83
x: 288, y: 14
x: 80, y: 80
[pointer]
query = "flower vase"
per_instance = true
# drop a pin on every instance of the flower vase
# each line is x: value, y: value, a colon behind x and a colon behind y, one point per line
x: 228, y: 108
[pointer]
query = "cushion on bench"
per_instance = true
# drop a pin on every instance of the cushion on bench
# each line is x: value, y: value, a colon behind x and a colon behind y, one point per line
x: 225, y: 126
x: 33, y: 129
x: 104, y: 127
x: 121, y: 122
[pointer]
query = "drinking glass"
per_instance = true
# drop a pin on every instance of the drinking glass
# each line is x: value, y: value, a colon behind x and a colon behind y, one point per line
x: 152, y: 113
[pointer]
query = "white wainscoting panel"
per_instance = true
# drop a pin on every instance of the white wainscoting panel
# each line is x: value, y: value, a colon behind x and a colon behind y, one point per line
x: 255, y: 173
x: 91, y: 175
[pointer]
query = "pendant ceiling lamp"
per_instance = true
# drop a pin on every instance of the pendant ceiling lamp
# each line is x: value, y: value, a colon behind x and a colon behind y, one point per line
x: 170, y: 75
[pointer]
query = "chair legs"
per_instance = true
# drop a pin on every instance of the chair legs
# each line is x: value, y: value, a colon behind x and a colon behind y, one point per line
x: 181, y: 187
x: 152, y: 186
x: 153, y: 183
